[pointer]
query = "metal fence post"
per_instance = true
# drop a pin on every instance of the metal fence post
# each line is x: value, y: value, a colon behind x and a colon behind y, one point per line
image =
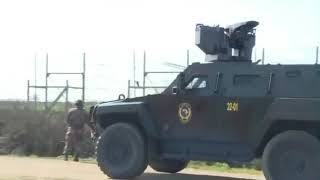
x: 144, y: 74
x: 317, y: 55
x: 84, y: 77
x: 28, y: 91
x: 263, y: 56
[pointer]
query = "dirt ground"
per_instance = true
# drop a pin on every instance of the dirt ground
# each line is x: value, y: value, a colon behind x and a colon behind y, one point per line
x: 24, y: 168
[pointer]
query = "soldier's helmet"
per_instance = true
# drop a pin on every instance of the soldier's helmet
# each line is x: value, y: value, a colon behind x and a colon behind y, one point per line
x: 79, y: 104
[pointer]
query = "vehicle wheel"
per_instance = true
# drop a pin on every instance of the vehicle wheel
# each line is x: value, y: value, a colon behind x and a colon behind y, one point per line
x: 293, y: 155
x: 168, y: 165
x: 122, y: 151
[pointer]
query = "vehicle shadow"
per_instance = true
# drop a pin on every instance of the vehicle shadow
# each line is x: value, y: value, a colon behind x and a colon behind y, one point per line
x: 156, y: 176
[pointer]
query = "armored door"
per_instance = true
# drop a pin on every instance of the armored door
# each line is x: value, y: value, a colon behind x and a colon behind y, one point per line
x: 187, y: 115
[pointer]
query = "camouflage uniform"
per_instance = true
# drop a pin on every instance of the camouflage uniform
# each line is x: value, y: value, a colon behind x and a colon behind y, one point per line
x: 77, y: 118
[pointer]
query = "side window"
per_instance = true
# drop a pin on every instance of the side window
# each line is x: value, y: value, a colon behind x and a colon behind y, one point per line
x: 198, y: 83
x: 249, y: 85
x: 244, y: 80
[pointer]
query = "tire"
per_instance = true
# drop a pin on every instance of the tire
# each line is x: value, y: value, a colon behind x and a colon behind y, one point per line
x: 122, y: 152
x: 168, y: 165
x: 292, y: 155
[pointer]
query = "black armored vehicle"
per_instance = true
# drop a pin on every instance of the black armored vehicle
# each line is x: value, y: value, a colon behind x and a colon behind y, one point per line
x: 228, y: 109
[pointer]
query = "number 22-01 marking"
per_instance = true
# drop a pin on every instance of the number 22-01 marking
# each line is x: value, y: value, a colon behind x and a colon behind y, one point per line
x: 232, y: 106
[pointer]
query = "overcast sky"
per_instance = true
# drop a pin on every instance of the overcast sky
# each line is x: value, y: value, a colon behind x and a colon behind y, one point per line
x: 109, y: 31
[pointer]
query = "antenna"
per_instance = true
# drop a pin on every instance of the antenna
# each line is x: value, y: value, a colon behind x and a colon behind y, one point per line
x: 176, y: 66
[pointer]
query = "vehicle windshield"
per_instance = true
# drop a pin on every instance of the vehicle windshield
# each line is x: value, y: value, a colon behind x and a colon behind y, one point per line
x: 197, y: 83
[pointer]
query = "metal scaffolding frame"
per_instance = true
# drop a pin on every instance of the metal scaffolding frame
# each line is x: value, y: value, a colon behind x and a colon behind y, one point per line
x: 145, y: 73
x: 65, y: 88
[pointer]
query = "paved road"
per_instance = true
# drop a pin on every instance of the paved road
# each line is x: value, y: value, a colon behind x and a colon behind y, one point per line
x: 23, y: 168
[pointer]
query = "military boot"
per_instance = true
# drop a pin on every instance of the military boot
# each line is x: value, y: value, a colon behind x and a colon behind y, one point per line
x: 66, y: 156
x: 76, y: 157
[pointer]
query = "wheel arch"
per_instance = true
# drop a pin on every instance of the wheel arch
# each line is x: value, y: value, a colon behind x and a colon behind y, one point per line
x: 285, y: 114
x: 280, y: 126
x: 106, y: 120
x: 135, y: 113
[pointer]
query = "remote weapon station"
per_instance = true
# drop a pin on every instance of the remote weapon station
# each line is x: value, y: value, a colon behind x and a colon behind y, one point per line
x: 228, y: 109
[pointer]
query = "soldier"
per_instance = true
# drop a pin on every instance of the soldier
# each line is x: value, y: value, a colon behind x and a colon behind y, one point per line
x: 77, y: 118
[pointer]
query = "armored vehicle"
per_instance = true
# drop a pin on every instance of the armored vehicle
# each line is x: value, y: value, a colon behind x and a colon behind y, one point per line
x: 228, y: 109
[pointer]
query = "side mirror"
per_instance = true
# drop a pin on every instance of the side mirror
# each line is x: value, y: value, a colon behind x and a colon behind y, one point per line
x: 121, y: 97
x: 174, y: 90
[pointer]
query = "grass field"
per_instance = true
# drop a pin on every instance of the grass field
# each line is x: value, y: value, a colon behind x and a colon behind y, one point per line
x: 223, y: 167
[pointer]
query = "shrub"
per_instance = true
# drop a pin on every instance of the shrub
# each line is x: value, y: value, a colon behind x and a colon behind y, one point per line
x: 36, y: 132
